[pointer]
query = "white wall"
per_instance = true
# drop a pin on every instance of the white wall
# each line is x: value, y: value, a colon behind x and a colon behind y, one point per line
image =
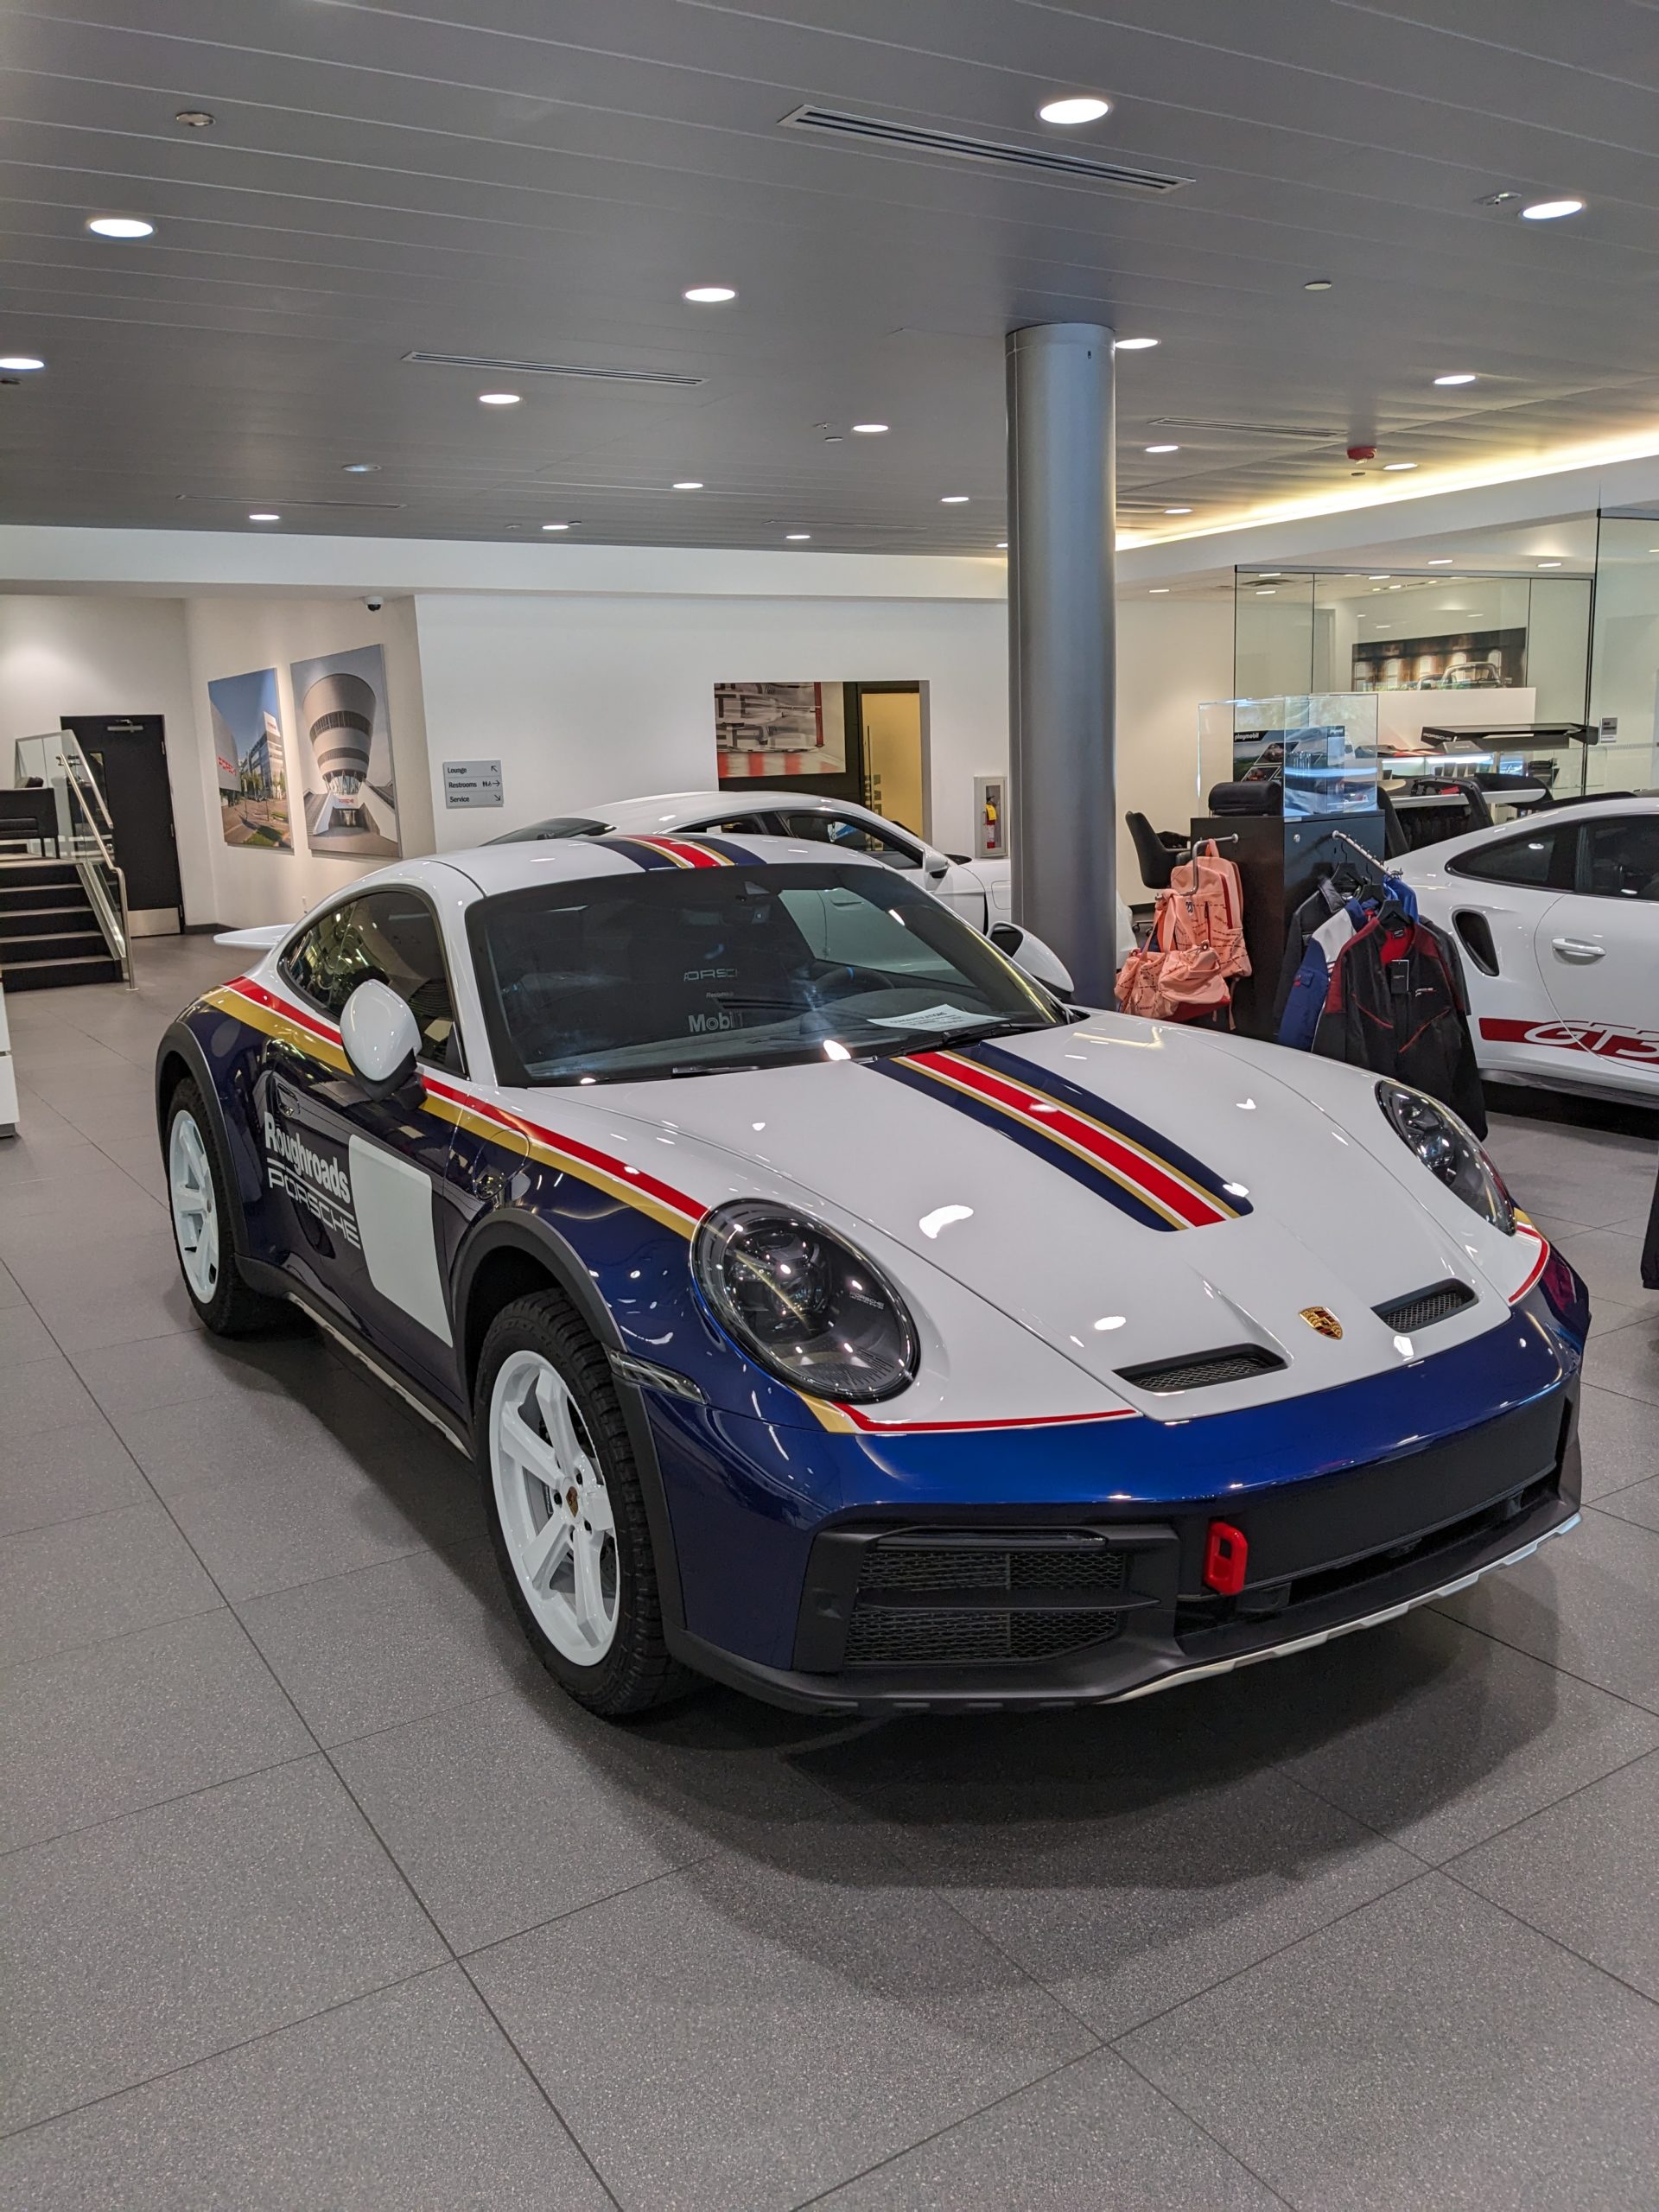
x: 1173, y: 655
x: 99, y: 656
x: 228, y: 637
x: 601, y: 696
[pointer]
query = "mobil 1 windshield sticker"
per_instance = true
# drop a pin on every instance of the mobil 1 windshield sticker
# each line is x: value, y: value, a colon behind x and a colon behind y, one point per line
x: 312, y: 1174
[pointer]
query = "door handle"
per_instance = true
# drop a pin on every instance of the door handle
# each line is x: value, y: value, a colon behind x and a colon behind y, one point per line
x: 1574, y: 948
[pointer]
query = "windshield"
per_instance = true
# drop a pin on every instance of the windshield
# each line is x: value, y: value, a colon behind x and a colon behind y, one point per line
x: 686, y: 972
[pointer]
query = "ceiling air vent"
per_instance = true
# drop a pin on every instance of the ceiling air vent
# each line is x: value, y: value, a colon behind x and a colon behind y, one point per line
x: 911, y: 139
x: 1241, y: 430
x: 549, y: 369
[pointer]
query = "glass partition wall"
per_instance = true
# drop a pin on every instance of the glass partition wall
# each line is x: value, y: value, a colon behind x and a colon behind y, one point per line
x: 1495, y: 665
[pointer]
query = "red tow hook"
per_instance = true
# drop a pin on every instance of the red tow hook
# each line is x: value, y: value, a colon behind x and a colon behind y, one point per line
x: 1226, y: 1554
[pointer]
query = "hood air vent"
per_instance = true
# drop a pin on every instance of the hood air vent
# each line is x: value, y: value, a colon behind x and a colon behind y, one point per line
x: 911, y: 139
x: 548, y: 369
x: 1425, y: 1307
x: 1202, y: 1370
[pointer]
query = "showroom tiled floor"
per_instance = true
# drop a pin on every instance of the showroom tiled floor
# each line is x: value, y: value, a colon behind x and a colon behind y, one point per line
x: 317, y: 1895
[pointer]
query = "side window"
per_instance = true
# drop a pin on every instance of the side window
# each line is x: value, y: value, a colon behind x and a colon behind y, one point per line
x: 851, y: 836
x: 1620, y: 858
x: 1536, y: 860
x: 391, y: 937
x: 735, y: 825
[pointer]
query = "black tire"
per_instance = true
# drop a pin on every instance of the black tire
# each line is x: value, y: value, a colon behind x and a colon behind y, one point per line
x: 232, y: 1309
x: 636, y: 1673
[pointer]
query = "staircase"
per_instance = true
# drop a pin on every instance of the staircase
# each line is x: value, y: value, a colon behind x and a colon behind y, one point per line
x: 49, y: 933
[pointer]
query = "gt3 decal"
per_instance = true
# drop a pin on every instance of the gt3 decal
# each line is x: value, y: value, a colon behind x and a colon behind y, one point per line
x: 1601, y: 1038
x: 1068, y: 1128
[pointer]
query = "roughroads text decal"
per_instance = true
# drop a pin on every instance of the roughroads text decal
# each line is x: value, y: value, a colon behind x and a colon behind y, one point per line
x: 321, y: 1185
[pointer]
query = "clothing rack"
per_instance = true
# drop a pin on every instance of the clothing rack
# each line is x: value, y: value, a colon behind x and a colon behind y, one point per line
x: 1353, y: 846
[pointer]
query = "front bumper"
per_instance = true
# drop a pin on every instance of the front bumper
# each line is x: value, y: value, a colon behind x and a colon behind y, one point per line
x: 897, y: 1615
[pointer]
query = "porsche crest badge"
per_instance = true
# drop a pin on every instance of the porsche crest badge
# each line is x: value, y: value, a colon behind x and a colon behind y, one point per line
x: 1322, y: 1318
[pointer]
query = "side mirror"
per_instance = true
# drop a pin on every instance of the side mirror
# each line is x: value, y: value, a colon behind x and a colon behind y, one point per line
x: 381, y: 1038
x: 1040, y: 961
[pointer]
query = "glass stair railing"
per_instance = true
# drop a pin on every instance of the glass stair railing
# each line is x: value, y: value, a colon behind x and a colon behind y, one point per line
x: 63, y: 897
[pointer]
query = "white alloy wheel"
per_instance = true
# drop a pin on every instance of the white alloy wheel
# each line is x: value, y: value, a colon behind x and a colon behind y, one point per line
x: 195, y: 1214
x: 555, y: 1510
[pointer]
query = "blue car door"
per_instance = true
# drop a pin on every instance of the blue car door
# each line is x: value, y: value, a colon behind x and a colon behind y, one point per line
x: 359, y: 1182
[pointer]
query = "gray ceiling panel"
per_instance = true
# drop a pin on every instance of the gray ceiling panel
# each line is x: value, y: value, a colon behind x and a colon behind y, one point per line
x: 538, y: 179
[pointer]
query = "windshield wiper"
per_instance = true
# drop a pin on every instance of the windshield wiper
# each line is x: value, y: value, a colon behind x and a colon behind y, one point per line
x: 1007, y: 1026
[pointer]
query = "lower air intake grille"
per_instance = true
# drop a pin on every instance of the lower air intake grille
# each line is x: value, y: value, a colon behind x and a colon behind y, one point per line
x: 919, y: 1637
x: 1202, y: 1370
x: 1424, y: 1308
x: 996, y: 1598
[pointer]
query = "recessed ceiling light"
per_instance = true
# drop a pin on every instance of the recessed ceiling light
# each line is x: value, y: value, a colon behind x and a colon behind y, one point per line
x: 360, y: 469
x: 797, y: 536
x: 1001, y: 544
x: 19, y: 364
x: 869, y: 430
x: 1163, y: 448
x: 690, y: 484
x: 120, y: 226
x: 1382, y: 578
x: 1462, y: 375
x: 1440, y: 561
x: 1549, y: 564
x: 1266, y: 591
x: 1177, y: 511
x: 1158, y: 591
x: 556, y: 525
x: 194, y: 118
x: 954, y: 499
x: 1396, y: 587
x: 1317, y: 284
x: 1133, y: 345
x: 1551, y: 211
x: 1393, y: 468
x: 499, y: 398
x: 1083, y: 107
x: 264, y: 515
x: 710, y: 296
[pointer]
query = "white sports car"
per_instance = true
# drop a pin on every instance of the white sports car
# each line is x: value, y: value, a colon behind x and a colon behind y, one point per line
x: 831, y: 1311
x: 1557, y: 919
x: 980, y: 890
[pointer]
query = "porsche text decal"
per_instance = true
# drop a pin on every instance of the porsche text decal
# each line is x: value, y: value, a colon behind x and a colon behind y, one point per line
x: 321, y: 1185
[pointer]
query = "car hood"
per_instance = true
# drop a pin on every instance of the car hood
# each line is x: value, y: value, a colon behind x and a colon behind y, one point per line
x: 1289, y: 1205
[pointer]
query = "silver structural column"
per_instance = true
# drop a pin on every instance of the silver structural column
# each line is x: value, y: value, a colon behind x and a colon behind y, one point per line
x: 1061, y: 643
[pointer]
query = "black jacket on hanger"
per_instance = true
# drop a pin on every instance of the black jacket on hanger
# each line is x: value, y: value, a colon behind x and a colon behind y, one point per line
x: 1310, y: 915
x: 1396, y: 1004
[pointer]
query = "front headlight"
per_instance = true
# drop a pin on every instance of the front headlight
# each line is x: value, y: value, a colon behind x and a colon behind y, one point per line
x: 803, y: 1302
x: 1450, y: 1150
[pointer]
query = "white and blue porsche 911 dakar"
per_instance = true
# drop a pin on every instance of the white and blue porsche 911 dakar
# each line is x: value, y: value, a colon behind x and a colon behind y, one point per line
x: 833, y: 1312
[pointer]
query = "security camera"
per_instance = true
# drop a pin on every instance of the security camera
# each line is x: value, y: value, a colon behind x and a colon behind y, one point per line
x: 374, y: 606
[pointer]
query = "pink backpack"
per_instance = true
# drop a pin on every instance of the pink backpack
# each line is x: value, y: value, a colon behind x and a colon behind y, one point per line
x: 1214, y: 899
x: 1196, y: 944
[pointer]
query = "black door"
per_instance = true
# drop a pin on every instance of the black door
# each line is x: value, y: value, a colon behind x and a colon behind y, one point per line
x: 128, y: 755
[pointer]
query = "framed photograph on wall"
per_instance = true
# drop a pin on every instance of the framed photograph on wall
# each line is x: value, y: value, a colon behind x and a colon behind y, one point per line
x: 779, y: 729
x: 251, y: 759
x: 351, y: 799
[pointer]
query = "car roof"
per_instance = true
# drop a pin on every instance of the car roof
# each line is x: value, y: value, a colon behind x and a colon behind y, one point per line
x: 1429, y: 858
x: 665, y: 810
x: 496, y: 868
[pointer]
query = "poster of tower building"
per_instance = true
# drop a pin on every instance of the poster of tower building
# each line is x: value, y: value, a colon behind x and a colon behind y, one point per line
x: 351, y: 803
x: 252, y: 762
